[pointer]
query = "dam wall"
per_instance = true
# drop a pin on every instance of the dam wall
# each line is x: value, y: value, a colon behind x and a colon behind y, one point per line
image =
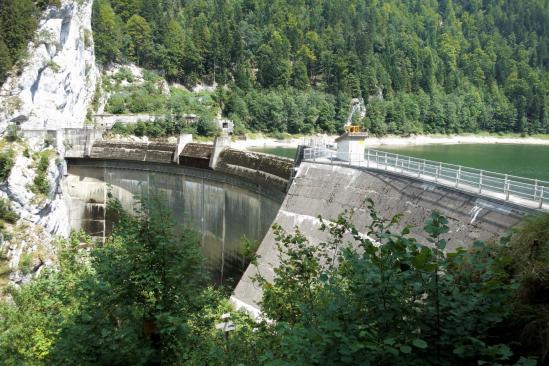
x: 223, y: 205
x: 319, y: 189
x: 226, y: 194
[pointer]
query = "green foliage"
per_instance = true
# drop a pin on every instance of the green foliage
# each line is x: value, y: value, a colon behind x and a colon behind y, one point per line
x: 106, y: 32
x: 442, y: 67
x: 140, y: 36
x: 7, y: 161
x: 529, y: 253
x: 41, y: 183
x: 147, y: 98
x: 25, y: 262
x: 142, y: 298
x: 289, y: 110
x: 385, y: 298
x: 206, y: 127
x: 31, y: 323
x: 378, y: 297
x: 5, y: 60
x: 12, y: 133
x: 6, y: 212
x: 18, y: 21
x: 159, y: 128
x: 148, y: 280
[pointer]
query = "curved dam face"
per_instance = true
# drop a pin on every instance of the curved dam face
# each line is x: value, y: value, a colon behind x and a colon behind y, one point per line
x: 222, y: 206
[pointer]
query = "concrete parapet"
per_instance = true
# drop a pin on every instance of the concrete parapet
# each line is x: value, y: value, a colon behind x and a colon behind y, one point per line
x: 182, y: 141
x: 221, y: 143
x: 78, y: 142
x: 116, y: 150
x: 259, y: 168
x: 280, y: 167
x: 107, y: 121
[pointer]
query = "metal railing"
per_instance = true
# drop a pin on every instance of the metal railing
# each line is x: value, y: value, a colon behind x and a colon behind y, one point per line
x: 505, y: 186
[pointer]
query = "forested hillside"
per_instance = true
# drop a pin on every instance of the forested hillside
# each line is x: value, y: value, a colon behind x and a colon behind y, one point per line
x: 18, y: 21
x: 421, y: 65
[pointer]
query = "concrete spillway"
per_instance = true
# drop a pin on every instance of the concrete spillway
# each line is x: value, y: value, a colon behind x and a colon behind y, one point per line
x: 227, y: 194
x: 223, y: 207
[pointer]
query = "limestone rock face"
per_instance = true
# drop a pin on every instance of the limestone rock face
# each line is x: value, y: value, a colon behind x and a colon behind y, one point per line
x: 53, y: 89
x: 48, y: 211
x: 57, y: 82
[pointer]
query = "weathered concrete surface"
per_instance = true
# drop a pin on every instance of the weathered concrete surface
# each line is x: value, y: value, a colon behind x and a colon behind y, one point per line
x: 329, y: 190
x: 196, y: 155
x: 222, y: 207
x: 149, y: 151
x: 258, y: 168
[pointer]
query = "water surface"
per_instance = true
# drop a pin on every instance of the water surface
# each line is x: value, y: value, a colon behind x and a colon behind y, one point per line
x: 531, y: 161
x: 285, y: 152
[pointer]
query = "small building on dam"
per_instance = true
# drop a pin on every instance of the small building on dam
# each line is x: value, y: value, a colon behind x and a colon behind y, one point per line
x: 228, y: 194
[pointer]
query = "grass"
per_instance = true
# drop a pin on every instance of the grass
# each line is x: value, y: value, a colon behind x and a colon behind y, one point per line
x: 6, y: 212
x: 25, y: 262
x: 5, y: 271
x: 7, y: 161
x: 40, y: 184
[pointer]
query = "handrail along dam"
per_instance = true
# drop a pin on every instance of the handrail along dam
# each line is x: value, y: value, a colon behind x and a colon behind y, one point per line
x: 227, y: 194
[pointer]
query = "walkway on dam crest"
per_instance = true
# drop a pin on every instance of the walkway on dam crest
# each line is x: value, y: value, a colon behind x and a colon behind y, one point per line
x: 526, y: 192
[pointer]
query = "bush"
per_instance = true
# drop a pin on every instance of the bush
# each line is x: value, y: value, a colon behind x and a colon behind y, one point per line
x: 12, y: 134
x: 206, y: 127
x: 120, y: 129
x: 6, y: 212
x: 116, y: 104
x: 387, y: 299
x: 124, y: 74
x: 529, y: 252
x: 25, y: 262
x: 40, y: 183
x: 7, y: 161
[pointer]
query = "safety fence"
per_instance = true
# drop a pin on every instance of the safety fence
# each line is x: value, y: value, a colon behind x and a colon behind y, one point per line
x: 504, y: 186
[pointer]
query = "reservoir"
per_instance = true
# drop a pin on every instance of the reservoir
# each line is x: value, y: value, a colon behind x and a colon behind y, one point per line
x: 530, y: 161
x: 285, y: 152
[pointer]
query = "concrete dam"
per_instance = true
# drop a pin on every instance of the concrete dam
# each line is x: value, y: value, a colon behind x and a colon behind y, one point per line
x: 227, y: 194
x: 234, y: 201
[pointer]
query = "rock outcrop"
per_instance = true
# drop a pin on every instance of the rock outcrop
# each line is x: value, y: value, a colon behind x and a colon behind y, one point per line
x: 52, y: 90
x: 57, y: 81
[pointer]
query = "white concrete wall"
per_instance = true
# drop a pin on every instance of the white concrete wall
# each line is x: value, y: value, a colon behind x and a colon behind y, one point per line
x: 351, y: 150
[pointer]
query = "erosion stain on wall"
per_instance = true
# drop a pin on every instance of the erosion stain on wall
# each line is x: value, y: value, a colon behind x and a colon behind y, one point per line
x: 222, y: 207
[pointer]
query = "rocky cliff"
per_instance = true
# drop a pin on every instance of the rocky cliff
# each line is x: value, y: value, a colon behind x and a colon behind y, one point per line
x: 52, y: 89
x: 57, y: 81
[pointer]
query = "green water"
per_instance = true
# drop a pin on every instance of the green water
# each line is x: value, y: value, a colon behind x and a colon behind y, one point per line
x: 531, y: 161
x: 286, y: 152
